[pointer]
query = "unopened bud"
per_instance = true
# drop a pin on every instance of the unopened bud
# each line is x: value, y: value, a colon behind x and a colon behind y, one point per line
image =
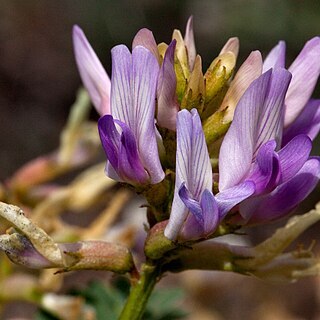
x: 98, y: 255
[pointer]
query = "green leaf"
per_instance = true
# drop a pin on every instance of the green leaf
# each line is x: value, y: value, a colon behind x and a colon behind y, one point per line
x: 106, y: 300
x: 164, y: 305
x: 44, y: 315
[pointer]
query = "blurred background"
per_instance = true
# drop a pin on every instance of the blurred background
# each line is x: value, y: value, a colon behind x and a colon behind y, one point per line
x: 39, y: 79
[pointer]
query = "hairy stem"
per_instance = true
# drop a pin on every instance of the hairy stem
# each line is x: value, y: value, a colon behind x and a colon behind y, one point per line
x: 140, y: 293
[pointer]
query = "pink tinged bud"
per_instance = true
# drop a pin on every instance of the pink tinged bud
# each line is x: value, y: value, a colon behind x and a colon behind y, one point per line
x: 42, y: 242
x: 156, y: 244
x: 250, y: 70
x: 92, y: 73
x: 145, y: 38
x: 20, y: 250
x: 181, y: 55
x: 168, y: 106
x: 98, y: 255
x: 190, y: 43
x: 232, y: 45
x: 34, y: 172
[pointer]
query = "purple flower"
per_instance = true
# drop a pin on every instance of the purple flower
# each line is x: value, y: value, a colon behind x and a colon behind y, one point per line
x: 93, y: 75
x: 305, y: 71
x: 251, y: 151
x: 167, y: 103
x: 196, y: 212
x: 308, y: 122
x: 128, y: 135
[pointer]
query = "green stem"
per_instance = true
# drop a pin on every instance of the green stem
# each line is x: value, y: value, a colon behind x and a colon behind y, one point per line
x: 140, y: 293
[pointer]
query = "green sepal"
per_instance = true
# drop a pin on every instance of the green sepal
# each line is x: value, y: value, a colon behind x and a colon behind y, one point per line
x: 157, y: 244
x: 217, y: 82
x: 215, y: 127
x: 194, y: 93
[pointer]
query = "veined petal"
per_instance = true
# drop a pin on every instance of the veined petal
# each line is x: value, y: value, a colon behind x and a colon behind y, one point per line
x: 258, y: 119
x: 130, y: 167
x: 144, y: 84
x: 238, y: 145
x: 247, y: 73
x: 168, y: 106
x: 285, y: 197
x: 210, y: 212
x: 231, y: 197
x: 93, y: 75
x: 110, y: 139
x: 231, y: 45
x: 179, y: 213
x: 203, y: 218
x: 190, y: 43
x: 265, y: 171
x: 111, y: 172
x: 192, y: 205
x: 271, y: 117
x: 193, y: 168
x: 276, y: 57
x: 308, y: 122
x: 305, y: 72
x: 145, y: 38
x: 121, y: 151
x: 200, y: 165
x: 133, y: 93
x: 193, y: 163
x: 191, y: 229
x: 293, y: 156
x: 121, y: 97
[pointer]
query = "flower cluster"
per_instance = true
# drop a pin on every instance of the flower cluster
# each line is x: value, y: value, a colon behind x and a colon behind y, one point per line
x: 242, y: 141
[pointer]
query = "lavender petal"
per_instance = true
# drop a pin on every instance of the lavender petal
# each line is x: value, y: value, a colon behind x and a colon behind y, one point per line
x: 231, y: 197
x: 93, y: 75
x: 110, y: 139
x: 210, y: 212
x: 145, y: 71
x: 168, y: 106
x: 308, y: 122
x: 276, y: 57
x: 121, y: 96
x: 293, y: 156
x: 305, y: 72
x: 285, y: 197
x: 193, y: 168
x: 130, y: 165
x: 271, y: 117
x: 265, y: 171
x: 238, y: 144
